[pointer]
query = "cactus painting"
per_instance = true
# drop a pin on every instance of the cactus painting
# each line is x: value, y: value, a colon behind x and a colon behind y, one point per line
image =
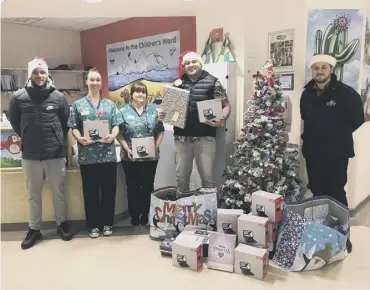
x: 365, y: 89
x: 336, y: 32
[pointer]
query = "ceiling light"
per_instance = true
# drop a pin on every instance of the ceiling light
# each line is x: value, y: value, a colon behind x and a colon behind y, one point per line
x: 92, y: 1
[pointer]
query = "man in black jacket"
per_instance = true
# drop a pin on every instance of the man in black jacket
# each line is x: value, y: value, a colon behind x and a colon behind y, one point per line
x: 331, y: 112
x: 197, y: 140
x: 39, y: 113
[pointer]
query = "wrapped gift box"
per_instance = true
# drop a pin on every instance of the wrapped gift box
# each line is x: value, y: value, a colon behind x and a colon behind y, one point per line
x: 251, y: 261
x: 265, y: 204
x: 253, y: 230
x: 227, y: 220
x: 175, y: 104
x: 187, y: 252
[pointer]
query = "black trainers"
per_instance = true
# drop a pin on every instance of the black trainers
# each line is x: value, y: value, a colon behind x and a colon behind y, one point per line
x: 31, y: 238
x: 63, y: 231
x: 144, y: 220
x: 349, y: 246
x: 135, y: 222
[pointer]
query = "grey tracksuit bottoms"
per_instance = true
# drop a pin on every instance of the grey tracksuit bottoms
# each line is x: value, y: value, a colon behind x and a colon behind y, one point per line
x: 36, y: 171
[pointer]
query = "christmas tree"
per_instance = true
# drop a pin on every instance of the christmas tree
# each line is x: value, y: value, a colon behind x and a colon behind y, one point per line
x: 264, y: 160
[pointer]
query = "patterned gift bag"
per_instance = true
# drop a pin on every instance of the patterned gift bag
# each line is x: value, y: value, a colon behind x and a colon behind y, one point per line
x: 313, y: 234
x: 171, y: 210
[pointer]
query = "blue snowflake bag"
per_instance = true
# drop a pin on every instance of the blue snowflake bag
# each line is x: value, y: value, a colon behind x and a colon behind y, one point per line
x: 313, y: 234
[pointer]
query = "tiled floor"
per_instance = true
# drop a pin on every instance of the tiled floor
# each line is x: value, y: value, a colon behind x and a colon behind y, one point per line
x: 133, y: 262
x: 130, y: 260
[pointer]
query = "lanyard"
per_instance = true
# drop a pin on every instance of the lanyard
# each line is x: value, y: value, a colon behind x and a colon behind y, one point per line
x: 144, y: 112
x: 92, y: 106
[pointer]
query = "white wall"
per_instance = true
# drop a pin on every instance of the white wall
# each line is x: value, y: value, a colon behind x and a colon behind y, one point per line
x: 249, y: 27
x: 207, y: 21
x: 21, y: 43
x: 358, y: 186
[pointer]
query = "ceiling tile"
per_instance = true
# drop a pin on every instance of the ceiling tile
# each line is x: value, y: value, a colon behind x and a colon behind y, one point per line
x: 96, y: 23
x: 61, y: 22
x: 22, y: 20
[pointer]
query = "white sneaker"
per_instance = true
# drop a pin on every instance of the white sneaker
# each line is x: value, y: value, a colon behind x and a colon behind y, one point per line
x: 94, y: 233
x: 108, y: 230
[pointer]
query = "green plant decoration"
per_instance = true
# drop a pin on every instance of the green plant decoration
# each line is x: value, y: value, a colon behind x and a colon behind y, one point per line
x: 335, y: 42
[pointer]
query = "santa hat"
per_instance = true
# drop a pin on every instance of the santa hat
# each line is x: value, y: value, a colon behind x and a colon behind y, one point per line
x: 188, y: 56
x: 37, y: 62
x: 323, y: 58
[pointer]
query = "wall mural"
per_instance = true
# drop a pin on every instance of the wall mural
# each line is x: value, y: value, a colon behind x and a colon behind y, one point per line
x: 365, y: 89
x: 153, y: 60
x: 336, y: 32
x: 11, y: 155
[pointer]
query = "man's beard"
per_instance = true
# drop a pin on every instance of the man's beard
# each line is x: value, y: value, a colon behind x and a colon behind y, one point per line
x: 321, y: 79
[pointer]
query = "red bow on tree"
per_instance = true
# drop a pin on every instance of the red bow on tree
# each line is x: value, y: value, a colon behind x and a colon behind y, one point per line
x: 257, y: 75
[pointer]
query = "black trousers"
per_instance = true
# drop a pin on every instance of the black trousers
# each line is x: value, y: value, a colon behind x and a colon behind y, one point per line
x: 140, y: 184
x: 328, y: 177
x: 99, y: 182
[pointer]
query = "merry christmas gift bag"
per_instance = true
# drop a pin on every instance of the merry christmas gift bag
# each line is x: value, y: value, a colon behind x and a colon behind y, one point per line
x: 171, y: 210
x: 313, y: 234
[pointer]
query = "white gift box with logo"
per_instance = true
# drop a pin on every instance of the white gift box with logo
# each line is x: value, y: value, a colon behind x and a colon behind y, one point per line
x: 265, y: 204
x: 187, y: 252
x: 227, y: 220
x: 251, y: 261
x: 253, y: 230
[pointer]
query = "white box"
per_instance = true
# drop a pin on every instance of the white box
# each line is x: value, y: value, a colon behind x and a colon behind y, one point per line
x: 96, y: 130
x: 272, y: 232
x: 187, y: 252
x: 267, y: 204
x: 210, y: 110
x: 143, y: 147
x: 227, y: 220
x: 251, y: 261
x: 253, y: 230
x: 200, y: 233
x: 221, y: 252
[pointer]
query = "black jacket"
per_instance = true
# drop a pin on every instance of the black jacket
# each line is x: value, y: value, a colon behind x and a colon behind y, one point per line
x: 329, y: 120
x: 39, y: 116
x: 200, y: 90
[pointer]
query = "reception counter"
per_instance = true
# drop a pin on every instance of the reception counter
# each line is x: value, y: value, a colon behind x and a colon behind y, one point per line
x: 14, y: 197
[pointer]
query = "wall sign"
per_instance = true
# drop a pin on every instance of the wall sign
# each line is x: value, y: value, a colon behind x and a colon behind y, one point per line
x: 287, y: 81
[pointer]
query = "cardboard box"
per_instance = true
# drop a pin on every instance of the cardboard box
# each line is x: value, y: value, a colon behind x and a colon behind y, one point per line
x: 165, y: 247
x: 272, y: 232
x: 227, y: 220
x: 187, y: 252
x: 253, y: 230
x: 267, y: 204
x: 251, y: 261
x: 143, y: 147
x: 221, y: 252
x: 96, y: 130
x: 200, y: 233
x: 210, y: 110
